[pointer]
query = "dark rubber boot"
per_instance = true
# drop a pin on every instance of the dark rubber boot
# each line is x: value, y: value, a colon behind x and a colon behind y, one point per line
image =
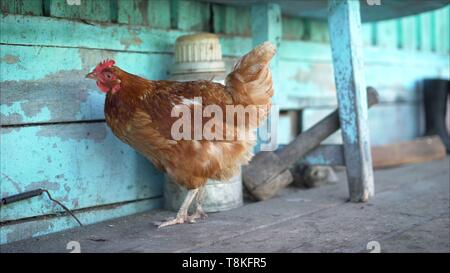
x: 435, y: 93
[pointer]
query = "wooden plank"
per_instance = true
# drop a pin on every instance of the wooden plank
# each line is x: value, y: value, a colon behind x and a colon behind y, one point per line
x: 133, y: 12
x: 302, y: 87
x: 415, y: 151
x: 312, y: 115
x: 369, y: 34
x: 191, y: 15
x: 112, y: 37
x: 82, y: 165
x: 318, y: 31
x: 316, y: 52
x: 32, y: 94
x: 141, y: 39
x: 58, y: 91
x: 398, y: 83
x: 433, y: 31
x: 442, y: 30
x: 387, y: 35
x: 40, y: 95
x: 344, y: 22
x: 155, y: 13
x: 409, y: 33
x: 293, y: 28
x: 384, y: 121
x: 307, y: 79
x: 326, y: 155
x: 309, y: 84
x: 28, y: 7
x: 97, y: 10
x: 21, y: 230
x: 231, y: 20
x: 304, y: 51
x: 425, y: 26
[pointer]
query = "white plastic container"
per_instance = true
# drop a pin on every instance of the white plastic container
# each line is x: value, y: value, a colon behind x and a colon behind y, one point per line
x: 198, y: 57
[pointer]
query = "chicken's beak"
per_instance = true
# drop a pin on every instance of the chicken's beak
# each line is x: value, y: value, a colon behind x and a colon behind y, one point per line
x: 91, y: 76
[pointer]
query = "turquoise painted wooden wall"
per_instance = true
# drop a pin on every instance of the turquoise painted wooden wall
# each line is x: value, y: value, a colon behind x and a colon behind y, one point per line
x: 53, y: 133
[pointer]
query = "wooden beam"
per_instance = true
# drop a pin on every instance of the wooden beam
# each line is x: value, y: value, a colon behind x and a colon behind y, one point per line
x: 344, y: 22
x: 30, y: 7
x: 74, y: 162
x: 416, y: 151
x: 326, y: 155
x: 383, y: 156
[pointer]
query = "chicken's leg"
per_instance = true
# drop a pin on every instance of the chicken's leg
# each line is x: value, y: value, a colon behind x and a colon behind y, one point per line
x: 199, y: 212
x: 182, y: 215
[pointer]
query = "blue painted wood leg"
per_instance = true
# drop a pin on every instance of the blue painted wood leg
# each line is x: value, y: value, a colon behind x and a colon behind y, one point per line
x: 266, y: 26
x: 344, y: 22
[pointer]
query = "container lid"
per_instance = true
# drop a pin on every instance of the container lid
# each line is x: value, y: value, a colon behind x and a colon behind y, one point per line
x: 198, y: 53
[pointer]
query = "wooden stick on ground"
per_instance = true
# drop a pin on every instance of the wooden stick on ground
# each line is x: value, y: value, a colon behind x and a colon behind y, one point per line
x: 415, y: 151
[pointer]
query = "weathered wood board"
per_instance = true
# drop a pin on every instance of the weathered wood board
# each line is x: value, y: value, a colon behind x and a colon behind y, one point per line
x: 155, y: 14
x: 415, y: 151
x: 191, y: 15
x: 427, y: 31
x: 54, y: 223
x: 60, y: 92
x: 99, y: 10
x: 81, y: 164
x: 387, y: 34
x: 28, y: 7
x: 385, y: 119
x: 232, y: 21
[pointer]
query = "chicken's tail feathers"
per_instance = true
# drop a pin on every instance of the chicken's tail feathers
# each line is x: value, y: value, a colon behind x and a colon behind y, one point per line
x: 250, y: 82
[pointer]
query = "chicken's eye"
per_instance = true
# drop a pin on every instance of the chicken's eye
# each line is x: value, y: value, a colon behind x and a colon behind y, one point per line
x: 108, y: 76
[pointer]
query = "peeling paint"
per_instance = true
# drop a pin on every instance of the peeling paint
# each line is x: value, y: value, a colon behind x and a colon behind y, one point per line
x: 10, y: 59
x: 134, y: 40
x: 33, y: 112
x: 316, y: 73
x: 44, y: 184
x: 48, y: 96
x: 13, y: 117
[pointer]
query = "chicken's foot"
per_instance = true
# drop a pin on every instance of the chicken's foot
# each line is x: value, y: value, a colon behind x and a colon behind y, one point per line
x: 199, y: 212
x: 182, y: 215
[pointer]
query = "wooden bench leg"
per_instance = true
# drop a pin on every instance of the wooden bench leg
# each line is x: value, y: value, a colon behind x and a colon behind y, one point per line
x: 344, y: 22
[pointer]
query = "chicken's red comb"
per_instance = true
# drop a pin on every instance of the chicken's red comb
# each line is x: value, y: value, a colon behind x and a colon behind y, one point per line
x: 104, y: 64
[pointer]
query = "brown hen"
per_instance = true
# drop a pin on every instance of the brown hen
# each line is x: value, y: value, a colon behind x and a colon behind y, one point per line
x: 140, y: 113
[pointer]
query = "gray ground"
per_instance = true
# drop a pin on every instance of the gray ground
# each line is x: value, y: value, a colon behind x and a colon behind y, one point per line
x: 410, y: 213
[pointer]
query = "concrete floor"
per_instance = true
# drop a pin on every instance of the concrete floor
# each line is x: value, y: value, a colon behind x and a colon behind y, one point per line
x: 410, y: 213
